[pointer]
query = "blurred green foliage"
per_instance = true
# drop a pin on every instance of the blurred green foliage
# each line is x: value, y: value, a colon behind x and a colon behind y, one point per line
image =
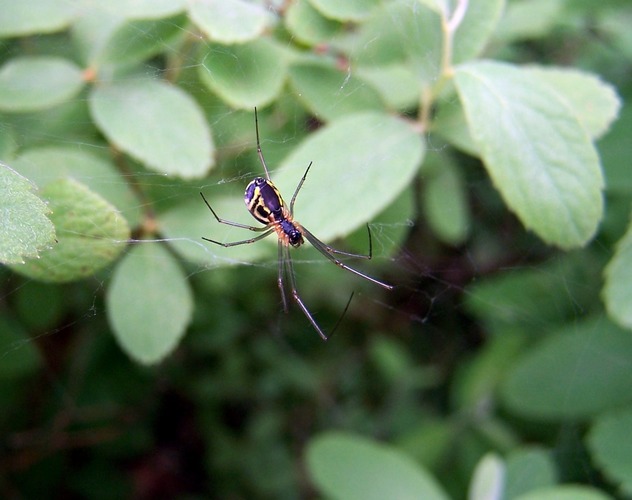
x: 480, y: 141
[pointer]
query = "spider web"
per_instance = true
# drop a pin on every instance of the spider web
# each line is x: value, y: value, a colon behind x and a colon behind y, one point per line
x: 427, y: 312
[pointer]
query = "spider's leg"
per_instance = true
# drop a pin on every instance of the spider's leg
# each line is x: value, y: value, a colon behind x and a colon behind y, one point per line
x: 282, y: 267
x: 328, y: 252
x: 298, y: 188
x: 242, y: 242
x: 297, y: 298
x: 229, y: 222
x: 259, y: 152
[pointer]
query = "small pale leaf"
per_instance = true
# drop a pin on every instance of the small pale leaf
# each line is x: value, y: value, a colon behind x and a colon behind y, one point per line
x: 229, y: 21
x: 536, y: 151
x: 489, y: 479
x: 331, y: 93
x: 34, y: 16
x: 149, y: 303
x: 353, y: 467
x: 308, y: 25
x: 132, y: 41
x: 33, y: 83
x: 247, y: 75
x: 156, y: 123
x: 478, y: 24
x: 349, y: 10
x: 24, y: 228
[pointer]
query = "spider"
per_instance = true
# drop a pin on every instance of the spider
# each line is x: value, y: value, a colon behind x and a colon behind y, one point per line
x: 265, y: 203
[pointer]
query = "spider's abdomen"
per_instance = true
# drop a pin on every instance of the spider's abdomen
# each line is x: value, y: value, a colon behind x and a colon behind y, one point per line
x: 264, y: 202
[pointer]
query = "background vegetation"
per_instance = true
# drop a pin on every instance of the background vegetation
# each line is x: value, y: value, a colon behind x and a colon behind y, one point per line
x: 485, y: 142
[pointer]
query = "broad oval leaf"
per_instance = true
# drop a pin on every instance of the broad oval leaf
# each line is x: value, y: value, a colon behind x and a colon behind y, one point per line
x: 229, y: 21
x: 611, y: 447
x: 33, y: 83
x: 349, y: 467
x: 573, y: 375
x: 91, y: 233
x: 158, y: 124
x: 331, y: 93
x: 617, y: 290
x: 361, y: 163
x: 25, y: 229
x: 34, y: 16
x: 149, y: 303
x: 594, y: 101
x: 247, y: 75
x: 536, y: 151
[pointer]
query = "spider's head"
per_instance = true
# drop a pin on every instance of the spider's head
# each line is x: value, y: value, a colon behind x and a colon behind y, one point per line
x: 295, y: 237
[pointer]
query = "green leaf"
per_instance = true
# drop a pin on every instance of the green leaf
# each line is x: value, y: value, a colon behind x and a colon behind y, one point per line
x: 345, y: 466
x: 141, y: 9
x: 408, y: 33
x: 535, y: 149
x: 396, y: 83
x: 529, y: 469
x: 25, y: 230
x: 133, y: 41
x: 91, y: 234
x: 595, y: 102
x: 451, y: 124
x: 488, y: 479
x: 33, y: 83
x: 230, y: 21
x: 617, y: 290
x: 156, y: 123
x: 479, y: 23
x: 575, y: 374
x: 361, y: 164
x: 330, y: 93
x: 261, y: 67
x: 307, y: 25
x: 350, y: 10
x: 445, y: 200
x: 50, y: 163
x: 565, y: 493
x: 610, y: 445
x: 34, y: 16
x: 149, y: 303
